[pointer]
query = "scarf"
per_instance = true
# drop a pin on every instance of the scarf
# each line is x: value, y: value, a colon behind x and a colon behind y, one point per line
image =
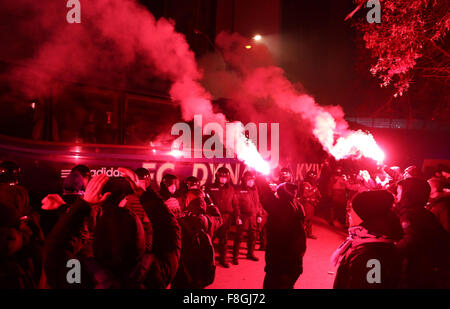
x: 358, y: 236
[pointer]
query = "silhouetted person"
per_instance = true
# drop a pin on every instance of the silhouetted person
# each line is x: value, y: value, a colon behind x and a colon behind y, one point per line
x: 249, y: 214
x: 198, y: 224
x: 425, y: 245
x: 439, y: 202
x: 286, y: 239
x: 222, y: 194
x: 54, y: 205
x: 21, y: 238
x: 168, y: 191
x: 368, y: 258
x: 120, y: 258
x: 84, y: 171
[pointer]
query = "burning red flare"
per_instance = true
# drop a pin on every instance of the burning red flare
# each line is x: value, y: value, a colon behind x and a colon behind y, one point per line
x: 246, y: 151
x: 358, y: 144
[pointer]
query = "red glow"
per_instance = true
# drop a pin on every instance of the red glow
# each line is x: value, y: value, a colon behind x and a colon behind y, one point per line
x: 176, y: 153
x: 246, y: 151
x: 358, y: 144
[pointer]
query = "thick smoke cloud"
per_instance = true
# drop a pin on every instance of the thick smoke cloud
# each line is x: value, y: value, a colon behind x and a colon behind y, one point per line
x: 116, y: 39
x: 262, y: 89
x: 112, y: 36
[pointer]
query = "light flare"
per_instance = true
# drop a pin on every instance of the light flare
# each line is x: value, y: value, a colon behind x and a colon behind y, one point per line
x: 365, y: 175
x: 247, y: 152
x: 384, y: 182
x: 357, y: 144
x: 176, y: 153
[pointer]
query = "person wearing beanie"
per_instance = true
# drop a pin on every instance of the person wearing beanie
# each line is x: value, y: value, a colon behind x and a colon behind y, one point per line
x: 425, y: 245
x: 198, y: 224
x: 54, y: 205
x: 286, y: 238
x: 372, y: 239
x: 169, y: 193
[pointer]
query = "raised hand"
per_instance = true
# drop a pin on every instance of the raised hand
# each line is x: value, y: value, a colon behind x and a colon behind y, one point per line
x: 52, y: 202
x: 133, y: 180
x: 93, y: 193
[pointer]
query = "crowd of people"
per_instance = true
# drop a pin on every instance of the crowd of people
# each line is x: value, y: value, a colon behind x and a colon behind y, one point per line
x: 125, y: 232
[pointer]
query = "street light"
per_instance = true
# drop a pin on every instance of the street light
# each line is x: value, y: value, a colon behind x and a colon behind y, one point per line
x: 257, y: 37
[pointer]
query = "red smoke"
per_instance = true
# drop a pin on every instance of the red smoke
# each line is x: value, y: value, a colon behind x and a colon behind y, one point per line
x: 112, y: 36
x: 260, y: 79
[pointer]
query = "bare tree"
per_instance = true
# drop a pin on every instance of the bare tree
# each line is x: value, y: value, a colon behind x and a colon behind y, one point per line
x: 410, y: 41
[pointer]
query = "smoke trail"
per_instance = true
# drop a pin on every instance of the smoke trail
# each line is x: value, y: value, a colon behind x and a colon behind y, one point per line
x: 260, y: 79
x: 112, y: 36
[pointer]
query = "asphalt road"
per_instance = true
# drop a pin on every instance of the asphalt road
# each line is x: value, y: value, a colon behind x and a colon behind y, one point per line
x: 318, y: 272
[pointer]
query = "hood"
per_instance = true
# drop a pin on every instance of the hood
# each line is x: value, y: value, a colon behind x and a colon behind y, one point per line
x: 119, y: 240
x: 415, y: 193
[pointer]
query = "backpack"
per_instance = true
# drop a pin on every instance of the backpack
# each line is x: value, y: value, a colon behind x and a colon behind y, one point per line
x: 197, y: 252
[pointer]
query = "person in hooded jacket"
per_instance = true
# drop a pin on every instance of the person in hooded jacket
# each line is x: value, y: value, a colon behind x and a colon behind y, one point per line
x: 198, y: 216
x: 188, y: 184
x: 21, y: 238
x: 286, y: 239
x: 120, y: 258
x: 169, y: 193
x: 425, y: 245
x: 370, y: 247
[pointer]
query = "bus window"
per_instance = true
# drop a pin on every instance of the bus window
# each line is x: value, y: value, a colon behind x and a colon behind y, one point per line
x: 87, y: 116
x: 19, y: 114
x: 148, y: 118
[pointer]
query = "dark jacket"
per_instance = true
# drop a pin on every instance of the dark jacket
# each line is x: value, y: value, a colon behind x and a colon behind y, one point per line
x: 172, y: 201
x: 353, y: 257
x: 21, y: 242
x: 286, y: 239
x: 48, y: 218
x: 190, y: 223
x: 440, y: 207
x: 154, y: 269
x: 15, y: 196
x: 248, y: 202
x: 425, y: 247
x: 223, y: 197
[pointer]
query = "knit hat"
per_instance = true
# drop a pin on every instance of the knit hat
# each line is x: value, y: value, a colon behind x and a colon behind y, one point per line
x: 370, y: 205
x: 286, y: 191
x: 197, y: 206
